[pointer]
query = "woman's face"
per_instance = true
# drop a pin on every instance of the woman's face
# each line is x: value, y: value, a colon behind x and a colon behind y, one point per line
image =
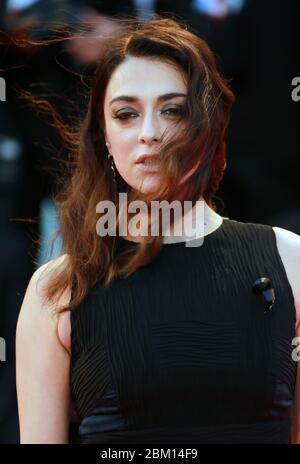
x: 134, y: 126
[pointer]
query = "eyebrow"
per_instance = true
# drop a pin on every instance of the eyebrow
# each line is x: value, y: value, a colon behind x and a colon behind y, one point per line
x: 130, y: 98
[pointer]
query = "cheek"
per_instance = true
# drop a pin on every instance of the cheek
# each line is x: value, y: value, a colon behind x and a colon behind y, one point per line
x: 122, y: 143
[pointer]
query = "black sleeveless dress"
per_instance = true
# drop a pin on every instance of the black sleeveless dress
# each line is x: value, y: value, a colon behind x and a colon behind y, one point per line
x: 182, y: 351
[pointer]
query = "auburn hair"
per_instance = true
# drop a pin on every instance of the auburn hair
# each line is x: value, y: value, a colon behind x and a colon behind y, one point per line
x: 92, y: 258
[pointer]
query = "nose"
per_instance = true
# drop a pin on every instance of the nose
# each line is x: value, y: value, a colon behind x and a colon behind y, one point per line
x: 149, y: 132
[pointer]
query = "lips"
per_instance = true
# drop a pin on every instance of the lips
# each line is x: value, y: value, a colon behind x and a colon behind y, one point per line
x: 147, y: 158
x: 148, y: 163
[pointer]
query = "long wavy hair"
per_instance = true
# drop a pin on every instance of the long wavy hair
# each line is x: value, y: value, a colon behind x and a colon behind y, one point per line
x: 92, y: 258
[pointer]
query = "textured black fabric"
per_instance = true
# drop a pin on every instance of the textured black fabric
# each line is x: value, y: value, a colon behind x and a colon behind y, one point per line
x: 183, y: 352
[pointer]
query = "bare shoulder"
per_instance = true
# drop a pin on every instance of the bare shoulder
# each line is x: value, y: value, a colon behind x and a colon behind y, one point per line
x: 44, y: 272
x: 35, y: 310
x: 288, y: 244
x: 63, y: 319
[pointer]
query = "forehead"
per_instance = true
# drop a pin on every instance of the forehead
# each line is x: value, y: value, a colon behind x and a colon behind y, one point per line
x: 143, y: 77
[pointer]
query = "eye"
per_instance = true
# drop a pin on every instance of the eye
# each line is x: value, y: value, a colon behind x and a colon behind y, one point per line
x: 178, y: 111
x: 124, y: 116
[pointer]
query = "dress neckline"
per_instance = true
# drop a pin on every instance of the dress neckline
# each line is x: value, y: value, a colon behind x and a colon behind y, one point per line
x: 205, y: 237
x: 184, y: 242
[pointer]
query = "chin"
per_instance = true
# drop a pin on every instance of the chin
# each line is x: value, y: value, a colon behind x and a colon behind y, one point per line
x: 148, y: 185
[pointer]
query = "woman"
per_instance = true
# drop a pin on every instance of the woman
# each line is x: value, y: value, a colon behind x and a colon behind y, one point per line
x: 148, y: 338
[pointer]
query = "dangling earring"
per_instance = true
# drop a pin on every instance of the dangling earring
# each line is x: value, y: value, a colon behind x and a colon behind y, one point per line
x: 111, y: 159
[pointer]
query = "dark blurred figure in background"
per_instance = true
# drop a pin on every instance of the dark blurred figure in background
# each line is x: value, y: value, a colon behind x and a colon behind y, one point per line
x: 15, y: 268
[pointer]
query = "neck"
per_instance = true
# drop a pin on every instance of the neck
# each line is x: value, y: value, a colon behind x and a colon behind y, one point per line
x: 196, y: 222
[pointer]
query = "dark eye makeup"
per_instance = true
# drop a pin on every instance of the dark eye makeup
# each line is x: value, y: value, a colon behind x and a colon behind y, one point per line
x: 125, y: 115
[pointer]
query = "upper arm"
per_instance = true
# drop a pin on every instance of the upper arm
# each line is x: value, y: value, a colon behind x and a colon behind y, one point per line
x: 289, y: 249
x: 288, y: 244
x: 42, y: 369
